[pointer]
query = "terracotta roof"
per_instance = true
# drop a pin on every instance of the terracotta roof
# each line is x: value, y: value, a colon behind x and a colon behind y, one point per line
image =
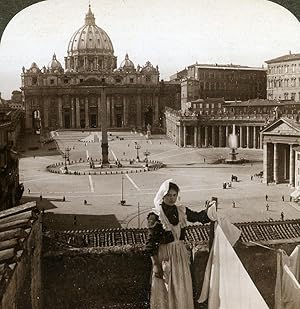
x: 288, y: 57
x: 263, y: 231
x: 15, y: 226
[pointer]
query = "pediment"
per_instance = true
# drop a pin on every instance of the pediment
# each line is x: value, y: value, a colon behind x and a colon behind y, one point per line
x: 282, y: 127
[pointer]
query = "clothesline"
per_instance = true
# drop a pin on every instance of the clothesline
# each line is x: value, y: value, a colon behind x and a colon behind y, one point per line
x: 263, y: 246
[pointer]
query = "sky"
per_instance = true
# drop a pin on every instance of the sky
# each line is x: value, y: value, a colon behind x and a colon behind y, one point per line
x: 169, y: 33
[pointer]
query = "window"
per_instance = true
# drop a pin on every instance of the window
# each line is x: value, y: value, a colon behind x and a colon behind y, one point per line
x: 103, y: 80
x: 131, y: 80
x: 34, y: 80
x: 66, y: 81
x: 81, y: 80
x: 293, y: 96
x: 118, y: 80
x: 148, y: 79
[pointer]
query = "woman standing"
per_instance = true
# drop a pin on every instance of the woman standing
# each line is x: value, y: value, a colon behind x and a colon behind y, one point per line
x: 171, y: 286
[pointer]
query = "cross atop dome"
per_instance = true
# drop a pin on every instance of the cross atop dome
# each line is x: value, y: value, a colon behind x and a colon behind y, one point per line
x: 89, y: 17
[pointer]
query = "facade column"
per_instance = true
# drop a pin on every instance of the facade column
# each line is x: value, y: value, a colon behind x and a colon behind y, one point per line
x: 60, y: 120
x: 139, y: 111
x: 46, y: 112
x: 86, y: 112
x: 179, y: 135
x: 254, y: 137
x: 220, y: 137
x: 248, y: 136
x: 156, y: 111
x: 206, y: 136
x: 213, y: 136
x: 77, y: 113
x: 199, y: 137
x: 113, y: 119
x: 184, y: 135
x: 125, y: 111
x: 108, y: 103
x: 292, y: 167
x: 99, y: 124
x: 265, y: 162
x: 260, y: 138
x: 275, y: 163
x: 72, y: 113
x: 195, y: 136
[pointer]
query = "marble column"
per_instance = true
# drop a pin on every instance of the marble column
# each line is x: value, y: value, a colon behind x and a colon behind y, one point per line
x: 265, y: 162
x: 125, y: 111
x: 220, y: 137
x: 60, y: 118
x: 241, y: 137
x: 206, y: 136
x: 199, y: 136
x: 139, y: 111
x: 195, y: 136
x: 275, y: 163
x: 226, y: 135
x: 260, y: 138
x: 77, y: 113
x: 184, y: 135
x: 248, y: 136
x: 86, y: 112
x: 292, y: 167
x: 179, y: 135
x: 254, y: 138
x: 99, y: 112
x: 108, y: 103
x: 213, y: 136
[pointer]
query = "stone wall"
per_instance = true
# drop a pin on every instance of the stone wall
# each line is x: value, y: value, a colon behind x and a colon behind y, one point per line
x: 119, y: 277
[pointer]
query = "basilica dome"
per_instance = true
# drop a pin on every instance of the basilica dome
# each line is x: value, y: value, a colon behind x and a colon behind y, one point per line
x: 90, y: 48
x: 127, y: 64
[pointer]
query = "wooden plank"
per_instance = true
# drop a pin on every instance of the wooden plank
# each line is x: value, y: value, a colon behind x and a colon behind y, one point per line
x: 10, y: 243
x: 20, y: 216
x: 14, y: 225
x: 18, y: 209
x: 7, y: 254
x: 15, y: 233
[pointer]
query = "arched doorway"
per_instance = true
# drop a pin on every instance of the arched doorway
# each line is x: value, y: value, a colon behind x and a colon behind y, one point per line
x: 148, y: 116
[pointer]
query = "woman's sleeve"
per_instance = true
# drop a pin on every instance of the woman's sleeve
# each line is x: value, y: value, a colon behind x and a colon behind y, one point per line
x: 197, y: 216
x: 154, y: 234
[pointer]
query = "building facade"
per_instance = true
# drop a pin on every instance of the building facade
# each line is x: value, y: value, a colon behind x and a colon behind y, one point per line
x: 283, y: 77
x: 70, y: 98
x: 231, y: 82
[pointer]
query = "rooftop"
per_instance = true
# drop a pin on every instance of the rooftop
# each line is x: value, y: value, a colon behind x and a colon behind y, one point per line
x: 284, y: 58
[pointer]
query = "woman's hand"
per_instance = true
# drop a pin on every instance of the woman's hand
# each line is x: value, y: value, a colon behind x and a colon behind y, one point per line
x: 158, y: 271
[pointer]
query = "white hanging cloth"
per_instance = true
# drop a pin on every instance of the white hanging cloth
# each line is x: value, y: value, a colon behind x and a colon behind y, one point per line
x: 287, y: 288
x: 226, y: 283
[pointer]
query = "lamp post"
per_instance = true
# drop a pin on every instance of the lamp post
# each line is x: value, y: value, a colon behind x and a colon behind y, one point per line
x: 137, y: 147
x: 66, y: 156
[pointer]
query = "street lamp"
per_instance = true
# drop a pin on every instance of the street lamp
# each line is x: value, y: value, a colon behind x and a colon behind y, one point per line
x: 146, y: 154
x: 137, y: 147
x: 66, y: 156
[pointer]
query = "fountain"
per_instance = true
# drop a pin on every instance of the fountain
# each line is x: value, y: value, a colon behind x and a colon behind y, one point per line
x: 233, y: 145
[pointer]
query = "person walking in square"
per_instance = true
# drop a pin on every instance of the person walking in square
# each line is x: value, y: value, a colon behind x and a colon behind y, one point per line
x: 282, y: 216
x: 282, y: 198
x: 266, y: 197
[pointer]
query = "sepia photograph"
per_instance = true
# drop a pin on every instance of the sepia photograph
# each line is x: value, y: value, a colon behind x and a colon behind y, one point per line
x: 149, y: 154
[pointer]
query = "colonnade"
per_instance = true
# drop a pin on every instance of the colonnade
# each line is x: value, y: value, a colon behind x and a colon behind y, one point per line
x: 278, y: 163
x: 214, y: 135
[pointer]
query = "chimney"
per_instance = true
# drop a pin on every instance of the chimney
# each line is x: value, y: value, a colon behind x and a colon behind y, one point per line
x: 290, y: 52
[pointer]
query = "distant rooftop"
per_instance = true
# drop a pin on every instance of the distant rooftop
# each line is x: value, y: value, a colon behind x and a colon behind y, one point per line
x: 288, y: 57
x: 226, y: 66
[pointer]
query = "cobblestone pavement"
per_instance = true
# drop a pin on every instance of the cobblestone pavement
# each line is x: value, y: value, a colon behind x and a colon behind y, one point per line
x: 193, y: 169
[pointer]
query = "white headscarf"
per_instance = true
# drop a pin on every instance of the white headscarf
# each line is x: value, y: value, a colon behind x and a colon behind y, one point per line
x: 162, y: 191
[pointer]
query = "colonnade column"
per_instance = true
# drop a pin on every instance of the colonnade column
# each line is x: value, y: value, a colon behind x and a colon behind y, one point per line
x: 292, y: 167
x: 99, y: 124
x: 60, y: 120
x: 179, y: 135
x: 226, y: 136
x: 260, y: 138
x: 113, y: 120
x: 265, y: 162
x: 254, y: 137
x: 195, y: 136
x: 86, y: 112
x: 248, y: 136
x: 220, y: 137
x: 139, y: 111
x: 199, y: 137
x: 241, y: 137
x: 206, y: 136
x: 213, y: 136
x: 275, y: 163
x: 184, y: 135
x: 77, y: 113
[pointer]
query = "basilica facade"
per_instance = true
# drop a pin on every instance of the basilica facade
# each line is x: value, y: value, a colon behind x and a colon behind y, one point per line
x: 70, y: 97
